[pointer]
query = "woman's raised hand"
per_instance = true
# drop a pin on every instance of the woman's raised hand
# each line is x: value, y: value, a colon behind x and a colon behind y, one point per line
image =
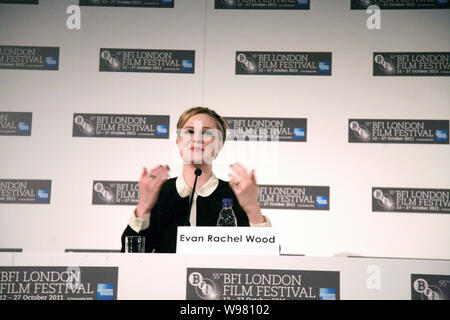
x: 149, y: 186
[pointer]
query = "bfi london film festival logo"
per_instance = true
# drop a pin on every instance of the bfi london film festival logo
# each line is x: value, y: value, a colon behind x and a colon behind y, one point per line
x: 29, y: 58
x: 205, y: 288
x: 58, y: 283
x: 104, y: 194
x: 294, y: 197
x: 408, y: 64
x: 115, y: 192
x: 430, y: 287
x: 266, y: 129
x: 112, y: 61
x: 427, y: 292
x: 147, y: 60
x: 384, y: 201
x: 398, y: 131
x: 257, y: 141
x: 25, y: 191
x: 247, y: 63
x: 411, y: 200
x: 360, y: 131
x: 386, y: 66
x: 283, y: 63
x: 120, y: 126
x: 245, y: 284
x: 15, y: 123
x: 84, y: 125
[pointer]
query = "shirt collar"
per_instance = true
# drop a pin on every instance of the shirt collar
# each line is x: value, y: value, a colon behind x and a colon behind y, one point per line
x: 205, y: 191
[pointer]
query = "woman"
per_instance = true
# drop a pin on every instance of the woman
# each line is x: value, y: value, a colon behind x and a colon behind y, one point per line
x: 164, y: 203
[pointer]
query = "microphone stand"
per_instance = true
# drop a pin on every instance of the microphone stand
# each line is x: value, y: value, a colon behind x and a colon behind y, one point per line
x: 197, y: 173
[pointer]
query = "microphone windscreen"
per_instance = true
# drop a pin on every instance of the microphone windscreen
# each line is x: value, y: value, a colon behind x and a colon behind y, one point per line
x: 198, y: 172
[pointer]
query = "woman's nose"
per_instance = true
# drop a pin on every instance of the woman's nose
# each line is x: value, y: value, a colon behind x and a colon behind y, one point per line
x: 198, y: 137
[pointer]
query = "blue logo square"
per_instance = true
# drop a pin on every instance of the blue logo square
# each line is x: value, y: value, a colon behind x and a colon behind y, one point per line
x: 186, y: 65
x: 302, y: 3
x: 321, y: 201
x: 161, y: 130
x: 23, y: 126
x: 299, y: 133
x: 167, y: 2
x: 105, y: 291
x: 42, y: 195
x: 327, y: 294
x: 50, y: 62
x: 324, y: 67
x: 441, y: 135
x: 442, y: 2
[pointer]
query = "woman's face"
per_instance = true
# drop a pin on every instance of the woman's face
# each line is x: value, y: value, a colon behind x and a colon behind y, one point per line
x: 200, y: 140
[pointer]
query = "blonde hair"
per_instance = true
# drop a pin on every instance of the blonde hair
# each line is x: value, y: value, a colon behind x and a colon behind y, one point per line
x: 186, y: 115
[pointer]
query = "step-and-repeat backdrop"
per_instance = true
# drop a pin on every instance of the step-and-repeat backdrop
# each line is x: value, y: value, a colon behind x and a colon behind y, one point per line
x: 341, y: 106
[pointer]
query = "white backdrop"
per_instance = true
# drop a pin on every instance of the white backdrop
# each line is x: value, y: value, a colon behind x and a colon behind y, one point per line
x: 326, y: 159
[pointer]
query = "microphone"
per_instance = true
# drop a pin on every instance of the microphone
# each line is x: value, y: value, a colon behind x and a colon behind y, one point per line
x: 197, y: 173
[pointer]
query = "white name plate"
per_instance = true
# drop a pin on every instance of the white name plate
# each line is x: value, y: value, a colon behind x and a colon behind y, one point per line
x: 228, y: 240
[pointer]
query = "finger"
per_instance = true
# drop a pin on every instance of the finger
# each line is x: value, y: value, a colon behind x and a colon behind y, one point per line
x: 164, y: 168
x: 253, y: 177
x: 236, y: 184
x: 158, y: 177
x: 165, y: 173
x: 149, y: 177
x: 144, y: 172
x: 157, y: 171
x: 240, y: 169
x: 237, y: 171
x: 234, y: 177
x: 145, y: 177
x: 160, y: 180
x: 153, y: 170
x: 233, y: 186
x: 240, y: 178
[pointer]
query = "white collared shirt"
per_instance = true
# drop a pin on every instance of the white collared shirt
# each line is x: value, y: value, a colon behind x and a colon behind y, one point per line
x: 139, y: 224
x: 205, y: 191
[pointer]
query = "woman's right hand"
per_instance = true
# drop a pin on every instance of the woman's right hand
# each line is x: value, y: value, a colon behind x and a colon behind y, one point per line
x: 149, y: 187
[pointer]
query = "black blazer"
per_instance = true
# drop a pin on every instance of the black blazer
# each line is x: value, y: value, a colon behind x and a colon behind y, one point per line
x: 171, y: 211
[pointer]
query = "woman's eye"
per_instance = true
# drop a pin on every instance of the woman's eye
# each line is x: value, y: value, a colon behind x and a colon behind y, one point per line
x: 187, y: 131
x: 208, y: 133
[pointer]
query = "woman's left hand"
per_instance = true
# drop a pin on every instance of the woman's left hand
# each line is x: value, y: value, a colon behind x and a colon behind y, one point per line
x: 246, y: 189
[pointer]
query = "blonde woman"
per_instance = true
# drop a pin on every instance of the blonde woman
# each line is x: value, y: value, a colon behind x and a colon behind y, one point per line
x: 164, y: 203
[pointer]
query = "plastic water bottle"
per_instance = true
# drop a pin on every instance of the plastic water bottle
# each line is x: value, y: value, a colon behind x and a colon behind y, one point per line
x: 226, y: 215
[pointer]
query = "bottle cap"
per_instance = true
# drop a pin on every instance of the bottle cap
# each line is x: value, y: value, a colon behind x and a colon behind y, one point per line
x: 227, y: 202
